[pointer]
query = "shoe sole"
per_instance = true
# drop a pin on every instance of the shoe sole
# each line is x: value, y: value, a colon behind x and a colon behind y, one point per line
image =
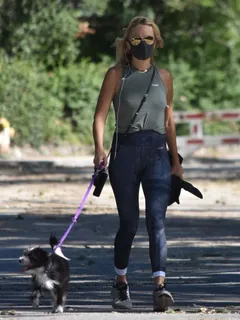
x: 121, y: 308
x: 163, y: 301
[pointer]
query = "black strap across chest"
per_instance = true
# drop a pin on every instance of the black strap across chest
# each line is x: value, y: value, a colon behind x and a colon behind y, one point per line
x: 141, y: 103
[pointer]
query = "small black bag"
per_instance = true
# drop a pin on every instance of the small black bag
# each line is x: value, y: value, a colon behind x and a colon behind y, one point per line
x: 99, y: 182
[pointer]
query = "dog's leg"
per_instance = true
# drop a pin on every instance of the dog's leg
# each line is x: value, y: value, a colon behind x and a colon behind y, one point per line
x: 36, y: 294
x: 64, y: 293
x: 64, y: 299
x: 59, y: 301
x: 54, y: 299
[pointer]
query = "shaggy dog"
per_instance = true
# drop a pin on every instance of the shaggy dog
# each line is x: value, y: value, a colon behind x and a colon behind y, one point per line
x: 48, y: 271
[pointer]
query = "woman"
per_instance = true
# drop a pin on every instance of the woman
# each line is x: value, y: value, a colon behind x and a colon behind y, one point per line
x: 139, y: 153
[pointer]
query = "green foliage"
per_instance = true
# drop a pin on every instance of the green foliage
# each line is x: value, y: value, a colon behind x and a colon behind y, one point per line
x: 26, y: 102
x: 54, y: 106
x: 221, y: 128
x: 45, y: 33
x: 185, y: 82
x: 89, y: 7
x: 49, y: 87
x: 77, y: 87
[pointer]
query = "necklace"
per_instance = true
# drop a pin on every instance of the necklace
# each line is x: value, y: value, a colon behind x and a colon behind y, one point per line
x: 141, y: 71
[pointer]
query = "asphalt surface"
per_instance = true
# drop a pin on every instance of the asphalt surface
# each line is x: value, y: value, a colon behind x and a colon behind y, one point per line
x: 203, y: 241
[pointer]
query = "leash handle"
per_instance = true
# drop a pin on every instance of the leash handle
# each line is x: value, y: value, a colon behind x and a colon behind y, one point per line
x: 79, y: 210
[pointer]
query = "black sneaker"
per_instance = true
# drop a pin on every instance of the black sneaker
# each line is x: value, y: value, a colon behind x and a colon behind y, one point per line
x: 120, y: 296
x: 162, y: 299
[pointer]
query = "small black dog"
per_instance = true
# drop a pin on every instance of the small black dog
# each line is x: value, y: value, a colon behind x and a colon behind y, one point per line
x: 49, y: 271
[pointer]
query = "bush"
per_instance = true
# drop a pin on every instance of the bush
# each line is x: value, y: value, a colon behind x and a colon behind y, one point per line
x: 40, y: 30
x: 204, y: 89
x: 185, y: 83
x: 26, y: 100
x: 52, y: 106
x: 77, y: 87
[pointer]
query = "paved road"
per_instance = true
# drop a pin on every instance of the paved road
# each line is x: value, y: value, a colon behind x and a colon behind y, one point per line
x: 197, y: 168
x: 131, y: 316
x: 203, y: 238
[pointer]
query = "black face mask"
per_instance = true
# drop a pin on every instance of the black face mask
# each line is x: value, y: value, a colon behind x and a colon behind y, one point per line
x: 142, y: 51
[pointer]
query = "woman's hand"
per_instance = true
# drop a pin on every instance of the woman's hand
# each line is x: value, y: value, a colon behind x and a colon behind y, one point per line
x: 177, y: 169
x: 100, y: 156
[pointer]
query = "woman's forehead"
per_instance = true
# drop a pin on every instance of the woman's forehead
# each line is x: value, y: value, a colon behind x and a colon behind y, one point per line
x: 141, y: 30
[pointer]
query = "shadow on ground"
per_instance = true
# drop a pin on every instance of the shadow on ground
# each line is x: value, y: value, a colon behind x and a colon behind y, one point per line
x: 203, y: 265
x: 194, y: 167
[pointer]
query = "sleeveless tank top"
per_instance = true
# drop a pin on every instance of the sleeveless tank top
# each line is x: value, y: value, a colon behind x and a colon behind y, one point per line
x: 126, y: 101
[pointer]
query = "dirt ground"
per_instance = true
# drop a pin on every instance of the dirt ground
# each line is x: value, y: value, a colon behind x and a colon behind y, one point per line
x: 203, y: 241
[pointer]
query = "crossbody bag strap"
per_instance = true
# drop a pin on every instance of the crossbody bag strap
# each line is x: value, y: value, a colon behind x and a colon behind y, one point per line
x: 138, y: 109
x: 141, y: 103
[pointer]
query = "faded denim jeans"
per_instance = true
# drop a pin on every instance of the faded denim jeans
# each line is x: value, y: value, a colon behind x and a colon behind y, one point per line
x: 140, y: 157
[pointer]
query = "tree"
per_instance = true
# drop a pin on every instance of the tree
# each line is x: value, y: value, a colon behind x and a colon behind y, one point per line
x: 41, y: 30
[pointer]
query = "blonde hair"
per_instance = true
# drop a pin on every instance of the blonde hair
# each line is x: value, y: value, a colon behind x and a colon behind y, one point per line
x: 123, y: 55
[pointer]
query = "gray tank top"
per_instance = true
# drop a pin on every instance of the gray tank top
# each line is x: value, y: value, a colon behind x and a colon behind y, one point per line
x: 127, y: 100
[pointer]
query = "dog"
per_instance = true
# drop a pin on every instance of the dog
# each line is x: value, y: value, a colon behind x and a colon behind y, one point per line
x: 48, y: 271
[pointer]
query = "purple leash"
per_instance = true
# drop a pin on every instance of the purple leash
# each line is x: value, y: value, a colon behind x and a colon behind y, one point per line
x: 79, y: 210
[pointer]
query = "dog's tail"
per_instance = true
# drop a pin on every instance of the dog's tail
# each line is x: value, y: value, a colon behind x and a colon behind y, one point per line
x: 53, y: 240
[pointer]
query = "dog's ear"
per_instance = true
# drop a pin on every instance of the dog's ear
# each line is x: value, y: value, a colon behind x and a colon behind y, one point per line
x: 41, y: 255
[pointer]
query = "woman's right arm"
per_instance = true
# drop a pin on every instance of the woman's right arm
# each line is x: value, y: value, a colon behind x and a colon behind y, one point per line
x: 105, y: 98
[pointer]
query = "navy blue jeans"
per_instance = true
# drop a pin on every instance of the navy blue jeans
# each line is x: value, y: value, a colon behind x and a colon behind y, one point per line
x: 140, y: 158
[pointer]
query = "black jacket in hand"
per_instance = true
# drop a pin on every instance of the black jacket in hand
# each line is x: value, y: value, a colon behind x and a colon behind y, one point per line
x: 177, y: 184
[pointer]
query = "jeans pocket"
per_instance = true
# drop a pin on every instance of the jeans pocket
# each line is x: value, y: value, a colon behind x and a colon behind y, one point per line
x: 162, y: 155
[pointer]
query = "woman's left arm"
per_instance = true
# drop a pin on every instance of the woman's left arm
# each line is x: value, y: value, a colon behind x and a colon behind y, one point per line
x: 170, y: 124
